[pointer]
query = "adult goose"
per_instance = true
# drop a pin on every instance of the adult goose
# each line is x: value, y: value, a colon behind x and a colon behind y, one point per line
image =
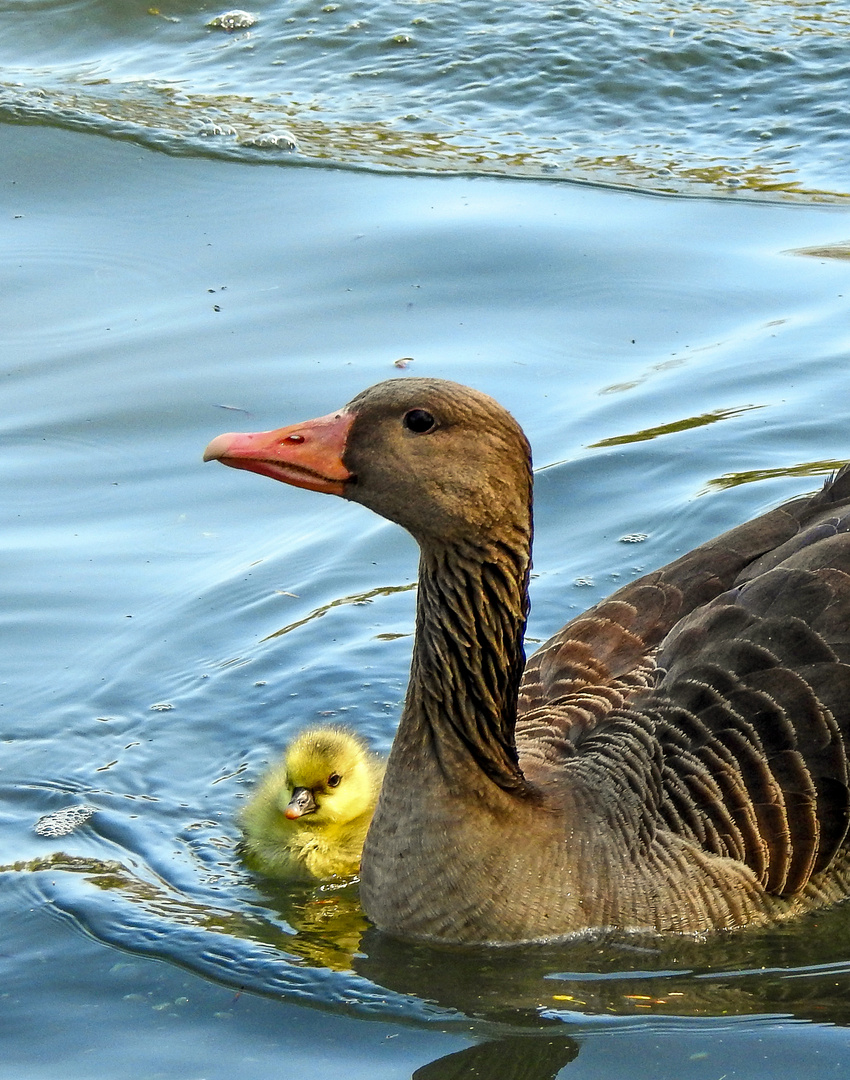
x: 674, y: 759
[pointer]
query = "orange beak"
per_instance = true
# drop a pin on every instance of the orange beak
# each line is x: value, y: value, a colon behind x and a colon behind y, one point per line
x: 307, y: 455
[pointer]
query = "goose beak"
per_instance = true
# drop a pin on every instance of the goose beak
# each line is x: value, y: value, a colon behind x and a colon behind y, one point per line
x: 307, y: 455
x: 301, y: 803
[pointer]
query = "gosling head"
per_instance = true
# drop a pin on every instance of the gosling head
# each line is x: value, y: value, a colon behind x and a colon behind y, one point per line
x: 329, y: 778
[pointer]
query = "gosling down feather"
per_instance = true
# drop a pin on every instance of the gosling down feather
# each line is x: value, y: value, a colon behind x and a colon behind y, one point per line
x: 674, y: 759
x: 309, y: 815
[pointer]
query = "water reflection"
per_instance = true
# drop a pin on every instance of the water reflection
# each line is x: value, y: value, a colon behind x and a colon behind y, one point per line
x: 355, y: 598
x: 313, y: 943
x: 826, y: 251
x: 510, y: 1058
x: 744, y: 974
x: 674, y: 426
x: 751, y: 476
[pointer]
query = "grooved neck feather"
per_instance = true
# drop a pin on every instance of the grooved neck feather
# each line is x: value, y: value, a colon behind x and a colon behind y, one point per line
x: 468, y: 657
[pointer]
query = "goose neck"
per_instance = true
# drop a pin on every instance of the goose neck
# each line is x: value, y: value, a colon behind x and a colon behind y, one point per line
x: 468, y: 657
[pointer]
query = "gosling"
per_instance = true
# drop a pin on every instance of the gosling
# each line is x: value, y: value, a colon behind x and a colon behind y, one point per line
x: 308, y: 817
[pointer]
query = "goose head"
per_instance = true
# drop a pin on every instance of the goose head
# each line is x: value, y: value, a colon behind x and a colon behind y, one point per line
x: 446, y: 462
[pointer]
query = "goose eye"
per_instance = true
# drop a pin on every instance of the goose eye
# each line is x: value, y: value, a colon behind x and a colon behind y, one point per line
x: 334, y: 779
x: 418, y: 421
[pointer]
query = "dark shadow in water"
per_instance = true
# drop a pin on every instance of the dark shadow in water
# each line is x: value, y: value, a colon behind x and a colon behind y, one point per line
x: 515, y: 1057
x: 800, y: 970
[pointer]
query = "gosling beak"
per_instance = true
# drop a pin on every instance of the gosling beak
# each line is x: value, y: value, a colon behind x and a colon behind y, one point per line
x: 307, y: 455
x: 301, y: 803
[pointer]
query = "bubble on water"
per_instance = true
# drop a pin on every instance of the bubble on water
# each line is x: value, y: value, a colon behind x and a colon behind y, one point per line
x: 232, y: 20
x: 266, y: 140
x: 64, y: 821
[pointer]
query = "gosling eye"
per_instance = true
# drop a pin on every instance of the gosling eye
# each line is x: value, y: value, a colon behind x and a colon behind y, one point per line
x: 334, y: 779
x: 418, y: 421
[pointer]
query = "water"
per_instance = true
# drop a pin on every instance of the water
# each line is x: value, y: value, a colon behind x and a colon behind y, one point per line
x: 678, y: 364
x: 749, y: 96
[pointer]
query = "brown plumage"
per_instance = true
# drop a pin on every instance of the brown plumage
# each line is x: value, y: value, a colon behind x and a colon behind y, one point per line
x: 673, y: 759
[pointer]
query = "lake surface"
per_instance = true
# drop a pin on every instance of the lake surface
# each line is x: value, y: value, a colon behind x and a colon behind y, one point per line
x: 709, y: 97
x: 679, y: 365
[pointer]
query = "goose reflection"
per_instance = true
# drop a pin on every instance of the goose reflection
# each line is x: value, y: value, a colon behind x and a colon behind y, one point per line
x: 515, y: 1057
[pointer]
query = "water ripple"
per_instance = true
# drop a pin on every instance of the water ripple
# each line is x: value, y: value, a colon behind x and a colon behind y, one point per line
x: 749, y: 99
